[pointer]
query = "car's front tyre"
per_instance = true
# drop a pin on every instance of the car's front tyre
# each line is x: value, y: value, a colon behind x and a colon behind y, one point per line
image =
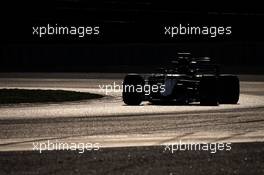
x: 130, y: 94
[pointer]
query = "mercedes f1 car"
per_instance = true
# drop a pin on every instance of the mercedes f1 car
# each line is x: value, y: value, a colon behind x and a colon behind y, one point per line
x: 187, y: 80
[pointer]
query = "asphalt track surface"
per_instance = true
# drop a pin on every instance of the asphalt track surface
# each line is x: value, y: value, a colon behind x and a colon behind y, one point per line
x: 129, y: 130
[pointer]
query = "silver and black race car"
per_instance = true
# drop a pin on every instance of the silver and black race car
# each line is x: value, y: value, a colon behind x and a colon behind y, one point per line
x: 187, y: 80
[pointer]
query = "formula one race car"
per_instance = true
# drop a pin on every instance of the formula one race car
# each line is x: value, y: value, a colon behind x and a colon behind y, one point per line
x: 187, y: 80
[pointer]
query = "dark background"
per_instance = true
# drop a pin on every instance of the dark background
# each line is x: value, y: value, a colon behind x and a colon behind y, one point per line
x: 132, y: 37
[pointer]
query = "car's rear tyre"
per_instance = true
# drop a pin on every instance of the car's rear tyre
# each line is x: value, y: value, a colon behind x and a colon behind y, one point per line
x: 130, y: 95
x: 208, y: 91
x: 228, y: 89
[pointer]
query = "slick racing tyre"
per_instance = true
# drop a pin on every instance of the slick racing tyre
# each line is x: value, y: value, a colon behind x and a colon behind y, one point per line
x: 208, y: 91
x: 129, y: 94
x: 228, y: 89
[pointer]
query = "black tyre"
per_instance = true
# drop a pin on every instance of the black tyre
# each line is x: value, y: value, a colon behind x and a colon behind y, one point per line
x: 130, y: 95
x: 208, y: 91
x: 228, y: 89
